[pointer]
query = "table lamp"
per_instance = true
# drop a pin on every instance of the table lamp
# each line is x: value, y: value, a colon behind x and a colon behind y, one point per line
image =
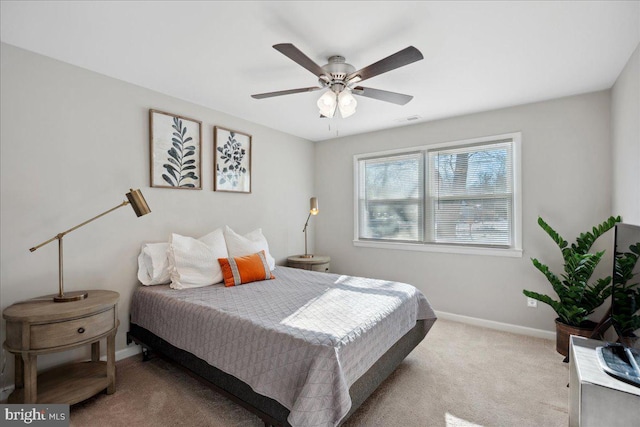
x: 140, y: 207
x: 313, y: 210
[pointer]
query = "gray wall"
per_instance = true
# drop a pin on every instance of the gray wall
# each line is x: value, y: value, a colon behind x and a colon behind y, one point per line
x: 625, y: 131
x: 72, y: 144
x: 566, y: 178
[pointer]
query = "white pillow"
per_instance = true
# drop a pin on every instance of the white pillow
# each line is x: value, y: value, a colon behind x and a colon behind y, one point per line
x: 248, y: 244
x: 194, y: 262
x: 153, y: 265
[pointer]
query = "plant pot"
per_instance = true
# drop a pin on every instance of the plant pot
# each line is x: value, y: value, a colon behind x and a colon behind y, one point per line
x: 564, y: 331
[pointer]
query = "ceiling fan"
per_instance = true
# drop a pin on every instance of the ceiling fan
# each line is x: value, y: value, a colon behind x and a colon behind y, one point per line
x: 341, y: 79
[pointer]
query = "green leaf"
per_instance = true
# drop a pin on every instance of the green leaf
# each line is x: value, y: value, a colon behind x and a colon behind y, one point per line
x: 586, y: 240
x: 173, y: 153
x: 577, y: 296
x: 173, y: 171
x: 166, y: 178
x: 552, y: 233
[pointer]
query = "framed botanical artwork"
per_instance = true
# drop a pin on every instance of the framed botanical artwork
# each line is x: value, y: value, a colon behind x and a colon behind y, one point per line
x: 175, y: 146
x: 232, y: 158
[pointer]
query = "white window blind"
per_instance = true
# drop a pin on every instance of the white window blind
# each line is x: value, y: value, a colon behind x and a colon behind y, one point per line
x: 391, y: 202
x: 459, y: 194
x: 471, y: 194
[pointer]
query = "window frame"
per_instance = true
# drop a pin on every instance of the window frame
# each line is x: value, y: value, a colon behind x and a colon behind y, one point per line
x: 515, y: 250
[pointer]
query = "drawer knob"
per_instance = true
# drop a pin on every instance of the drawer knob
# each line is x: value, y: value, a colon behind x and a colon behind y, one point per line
x: 81, y: 330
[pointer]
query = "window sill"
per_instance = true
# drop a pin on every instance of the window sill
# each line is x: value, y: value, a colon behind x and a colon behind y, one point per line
x: 453, y: 249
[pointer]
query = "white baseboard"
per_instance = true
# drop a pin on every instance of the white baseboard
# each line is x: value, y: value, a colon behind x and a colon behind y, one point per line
x: 506, y: 327
x: 130, y: 350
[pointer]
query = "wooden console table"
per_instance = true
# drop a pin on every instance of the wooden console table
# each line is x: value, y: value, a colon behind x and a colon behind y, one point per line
x: 40, y: 326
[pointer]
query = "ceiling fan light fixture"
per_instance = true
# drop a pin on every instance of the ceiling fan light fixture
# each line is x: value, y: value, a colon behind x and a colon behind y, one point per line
x: 347, y: 103
x: 327, y: 103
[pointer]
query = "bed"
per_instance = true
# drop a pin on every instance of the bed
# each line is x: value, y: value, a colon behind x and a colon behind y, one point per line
x: 303, y: 349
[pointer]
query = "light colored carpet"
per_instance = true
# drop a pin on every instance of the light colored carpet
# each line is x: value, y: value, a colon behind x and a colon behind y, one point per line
x: 459, y: 376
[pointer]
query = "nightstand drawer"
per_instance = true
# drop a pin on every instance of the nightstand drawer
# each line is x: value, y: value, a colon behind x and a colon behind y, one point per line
x: 72, y: 331
x: 324, y: 267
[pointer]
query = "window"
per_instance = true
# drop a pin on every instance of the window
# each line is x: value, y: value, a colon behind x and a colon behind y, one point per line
x: 461, y: 197
x: 391, y: 202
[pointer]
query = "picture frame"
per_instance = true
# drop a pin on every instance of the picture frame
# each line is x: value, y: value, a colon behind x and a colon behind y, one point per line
x: 175, y: 149
x: 232, y: 160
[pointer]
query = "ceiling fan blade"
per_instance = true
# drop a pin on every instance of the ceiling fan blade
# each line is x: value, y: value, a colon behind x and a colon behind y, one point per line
x: 382, y: 95
x: 399, y: 59
x: 285, y: 92
x: 296, y: 55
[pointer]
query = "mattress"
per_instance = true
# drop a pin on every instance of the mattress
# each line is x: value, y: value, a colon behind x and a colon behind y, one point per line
x: 301, y: 339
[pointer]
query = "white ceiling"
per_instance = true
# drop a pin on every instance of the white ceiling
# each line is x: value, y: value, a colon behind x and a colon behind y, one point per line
x: 478, y: 55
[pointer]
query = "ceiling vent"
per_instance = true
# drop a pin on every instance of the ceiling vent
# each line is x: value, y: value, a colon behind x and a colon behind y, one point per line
x: 409, y: 119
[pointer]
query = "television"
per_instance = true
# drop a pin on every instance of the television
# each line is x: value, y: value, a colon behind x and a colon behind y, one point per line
x: 622, y: 358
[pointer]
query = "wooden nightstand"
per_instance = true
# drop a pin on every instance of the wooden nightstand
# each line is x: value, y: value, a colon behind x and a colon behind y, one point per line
x: 40, y: 326
x: 316, y: 263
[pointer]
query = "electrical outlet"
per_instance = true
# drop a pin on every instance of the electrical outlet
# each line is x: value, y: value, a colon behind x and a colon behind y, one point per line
x: 533, y: 303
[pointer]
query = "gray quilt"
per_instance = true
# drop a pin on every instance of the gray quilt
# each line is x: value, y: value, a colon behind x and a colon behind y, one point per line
x: 302, y: 339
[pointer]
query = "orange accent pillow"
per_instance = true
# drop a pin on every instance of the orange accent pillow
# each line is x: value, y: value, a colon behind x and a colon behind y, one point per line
x: 245, y: 269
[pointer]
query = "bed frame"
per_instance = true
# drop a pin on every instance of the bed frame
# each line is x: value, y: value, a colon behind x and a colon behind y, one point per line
x: 268, y: 410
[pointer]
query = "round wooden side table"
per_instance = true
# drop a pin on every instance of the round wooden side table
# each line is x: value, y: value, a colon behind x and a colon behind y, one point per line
x: 40, y: 326
x: 315, y: 263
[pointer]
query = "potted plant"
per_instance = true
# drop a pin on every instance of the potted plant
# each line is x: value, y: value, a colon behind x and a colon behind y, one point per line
x: 578, y: 295
x: 626, y: 295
